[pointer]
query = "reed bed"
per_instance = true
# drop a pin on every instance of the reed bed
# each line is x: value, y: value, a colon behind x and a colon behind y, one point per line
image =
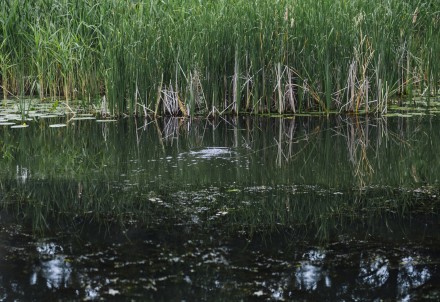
x: 204, y: 57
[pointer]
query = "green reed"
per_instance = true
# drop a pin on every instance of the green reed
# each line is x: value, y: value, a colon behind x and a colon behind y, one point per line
x: 213, y: 57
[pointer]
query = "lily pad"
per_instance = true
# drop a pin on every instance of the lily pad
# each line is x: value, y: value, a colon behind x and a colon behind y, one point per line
x: 48, y: 116
x: 105, y: 121
x: 57, y: 125
x: 13, y: 117
x: 400, y: 114
x: 81, y: 118
x: 6, y: 123
x: 20, y: 126
x: 303, y: 114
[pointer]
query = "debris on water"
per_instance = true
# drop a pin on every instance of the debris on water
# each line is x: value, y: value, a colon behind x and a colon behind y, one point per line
x: 113, y: 292
x: 209, y: 153
x: 155, y: 200
x: 187, y: 279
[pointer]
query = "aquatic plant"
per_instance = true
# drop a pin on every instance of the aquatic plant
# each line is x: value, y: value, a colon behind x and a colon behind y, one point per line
x: 216, y: 57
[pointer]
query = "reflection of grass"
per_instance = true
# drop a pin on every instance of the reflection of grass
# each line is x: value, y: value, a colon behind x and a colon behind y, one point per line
x: 311, y: 214
x: 279, y: 173
x: 307, y: 212
x: 340, y: 153
x: 7, y: 151
x: 53, y: 203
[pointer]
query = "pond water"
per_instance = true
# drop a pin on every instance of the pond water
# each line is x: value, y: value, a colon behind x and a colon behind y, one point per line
x: 306, y: 208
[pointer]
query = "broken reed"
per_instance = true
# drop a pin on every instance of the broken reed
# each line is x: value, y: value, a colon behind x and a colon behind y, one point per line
x: 213, y: 57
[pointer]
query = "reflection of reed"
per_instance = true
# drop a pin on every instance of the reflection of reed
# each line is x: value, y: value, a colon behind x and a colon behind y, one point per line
x: 357, y: 137
x: 285, y: 137
x: 290, y: 137
x: 170, y: 130
x: 357, y: 144
x: 292, y: 134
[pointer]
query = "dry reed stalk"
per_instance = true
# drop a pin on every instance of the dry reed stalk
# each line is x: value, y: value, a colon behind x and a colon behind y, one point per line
x: 182, y: 106
x: 169, y: 101
x: 196, y: 90
x: 279, y: 88
x: 290, y: 91
x: 158, y: 97
x: 247, y: 83
x: 357, y: 80
x: 136, y: 94
x: 235, y: 85
x: 351, y: 83
x: 308, y: 91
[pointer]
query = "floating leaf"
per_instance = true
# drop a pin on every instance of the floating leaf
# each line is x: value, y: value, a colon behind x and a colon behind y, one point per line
x: 57, y: 125
x: 105, y: 121
x: 48, y: 116
x: 13, y: 117
x: 399, y: 114
x: 20, y: 126
x: 6, y: 123
x: 81, y: 118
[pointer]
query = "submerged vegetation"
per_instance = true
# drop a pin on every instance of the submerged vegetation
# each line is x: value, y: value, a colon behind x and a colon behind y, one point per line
x: 213, y: 57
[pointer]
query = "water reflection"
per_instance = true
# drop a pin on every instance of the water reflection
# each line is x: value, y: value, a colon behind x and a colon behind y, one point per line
x: 22, y: 174
x: 53, y: 267
x: 374, y: 269
x: 411, y: 275
x: 298, y: 209
x: 155, y: 265
x: 336, y: 152
x: 310, y: 272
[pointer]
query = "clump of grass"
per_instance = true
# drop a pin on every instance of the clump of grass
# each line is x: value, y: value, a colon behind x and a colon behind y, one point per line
x: 227, y: 56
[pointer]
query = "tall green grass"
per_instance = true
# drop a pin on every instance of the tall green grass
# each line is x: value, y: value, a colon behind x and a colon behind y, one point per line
x: 224, y: 56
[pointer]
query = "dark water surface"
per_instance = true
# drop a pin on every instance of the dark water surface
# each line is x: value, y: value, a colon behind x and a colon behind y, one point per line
x: 251, y: 209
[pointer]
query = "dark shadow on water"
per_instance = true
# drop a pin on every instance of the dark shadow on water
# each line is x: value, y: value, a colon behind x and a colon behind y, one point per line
x: 300, y: 209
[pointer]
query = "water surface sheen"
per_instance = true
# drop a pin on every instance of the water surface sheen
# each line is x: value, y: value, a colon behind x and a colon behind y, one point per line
x: 306, y: 208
